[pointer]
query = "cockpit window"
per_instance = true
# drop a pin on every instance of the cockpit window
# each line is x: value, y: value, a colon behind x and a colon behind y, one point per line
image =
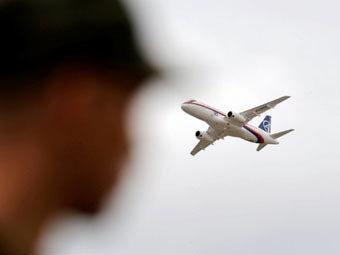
x: 191, y: 101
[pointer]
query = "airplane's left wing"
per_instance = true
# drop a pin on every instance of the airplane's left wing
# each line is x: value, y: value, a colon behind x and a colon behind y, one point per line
x: 250, y: 114
x: 202, y: 144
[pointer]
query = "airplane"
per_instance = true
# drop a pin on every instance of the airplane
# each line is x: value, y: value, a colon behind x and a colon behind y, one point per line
x: 233, y: 124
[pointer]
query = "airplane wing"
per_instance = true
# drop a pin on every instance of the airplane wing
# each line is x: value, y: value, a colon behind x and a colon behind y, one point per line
x: 200, y: 146
x: 251, y: 113
x: 204, y: 144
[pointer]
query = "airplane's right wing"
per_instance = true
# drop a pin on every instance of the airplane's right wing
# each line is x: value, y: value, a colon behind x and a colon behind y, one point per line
x: 202, y: 144
x: 251, y: 113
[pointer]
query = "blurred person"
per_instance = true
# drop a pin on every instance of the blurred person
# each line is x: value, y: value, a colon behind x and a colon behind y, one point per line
x: 68, y: 69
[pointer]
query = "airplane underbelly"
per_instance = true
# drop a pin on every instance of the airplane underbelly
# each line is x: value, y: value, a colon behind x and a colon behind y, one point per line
x: 243, y: 133
x: 219, y: 122
x: 201, y: 114
x: 249, y: 137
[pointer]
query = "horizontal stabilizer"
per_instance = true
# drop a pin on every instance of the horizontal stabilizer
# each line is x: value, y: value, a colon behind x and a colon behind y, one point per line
x: 282, y: 133
x: 261, y: 146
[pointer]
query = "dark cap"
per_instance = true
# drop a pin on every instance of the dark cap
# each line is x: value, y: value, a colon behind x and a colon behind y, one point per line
x: 39, y: 33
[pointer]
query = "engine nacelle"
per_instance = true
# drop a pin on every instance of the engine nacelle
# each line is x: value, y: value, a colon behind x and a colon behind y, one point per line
x: 202, y: 135
x: 236, y: 118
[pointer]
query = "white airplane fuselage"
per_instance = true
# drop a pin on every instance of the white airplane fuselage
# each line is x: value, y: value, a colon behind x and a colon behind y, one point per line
x: 219, y: 121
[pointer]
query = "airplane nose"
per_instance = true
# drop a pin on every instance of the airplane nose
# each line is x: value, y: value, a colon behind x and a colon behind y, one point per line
x: 185, y: 107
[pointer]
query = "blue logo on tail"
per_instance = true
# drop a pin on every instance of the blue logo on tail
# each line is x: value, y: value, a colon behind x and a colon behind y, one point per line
x: 266, y: 124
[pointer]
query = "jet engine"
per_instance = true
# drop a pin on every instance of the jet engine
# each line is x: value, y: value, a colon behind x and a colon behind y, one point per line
x: 201, y: 135
x: 236, y: 118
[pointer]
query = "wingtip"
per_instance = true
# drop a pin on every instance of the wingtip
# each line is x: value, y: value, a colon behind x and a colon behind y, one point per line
x: 290, y: 130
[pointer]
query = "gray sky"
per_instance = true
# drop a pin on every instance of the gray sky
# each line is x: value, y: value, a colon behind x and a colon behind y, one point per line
x: 229, y: 199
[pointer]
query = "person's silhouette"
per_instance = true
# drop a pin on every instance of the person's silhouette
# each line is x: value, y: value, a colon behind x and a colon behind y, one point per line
x: 67, y: 72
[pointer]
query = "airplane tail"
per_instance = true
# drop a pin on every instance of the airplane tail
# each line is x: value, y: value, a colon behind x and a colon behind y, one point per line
x: 266, y: 124
x: 261, y: 146
x: 282, y: 133
x: 274, y: 136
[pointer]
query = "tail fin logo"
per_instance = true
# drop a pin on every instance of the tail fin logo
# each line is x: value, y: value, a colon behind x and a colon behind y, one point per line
x: 266, y: 124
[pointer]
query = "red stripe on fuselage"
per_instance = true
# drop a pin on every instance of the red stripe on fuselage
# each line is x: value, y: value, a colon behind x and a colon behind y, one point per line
x: 257, y: 134
x: 207, y: 107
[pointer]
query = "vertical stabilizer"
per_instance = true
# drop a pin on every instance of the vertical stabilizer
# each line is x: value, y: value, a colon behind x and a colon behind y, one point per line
x: 266, y: 124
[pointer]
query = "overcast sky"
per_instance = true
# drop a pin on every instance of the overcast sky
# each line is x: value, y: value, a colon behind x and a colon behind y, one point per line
x: 229, y: 199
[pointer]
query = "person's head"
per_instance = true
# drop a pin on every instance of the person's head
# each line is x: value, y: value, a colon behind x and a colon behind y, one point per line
x: 68, y: 69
